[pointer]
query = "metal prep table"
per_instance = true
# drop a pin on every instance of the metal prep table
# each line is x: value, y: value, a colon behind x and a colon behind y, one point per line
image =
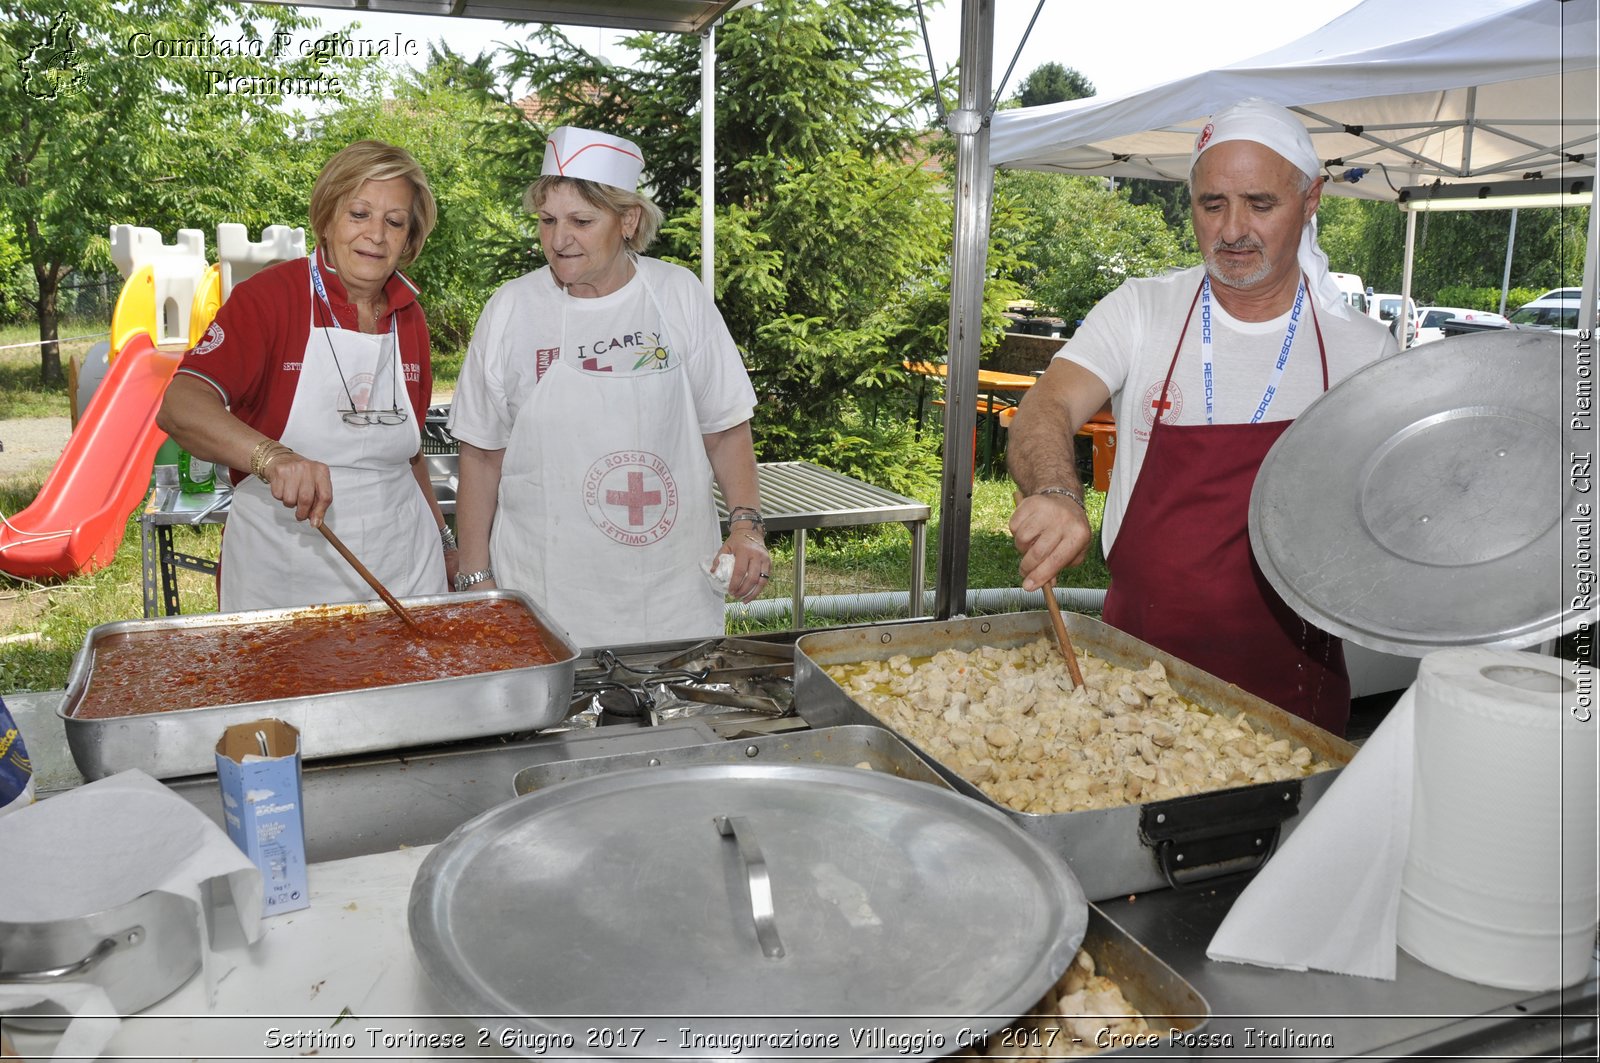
x: 797, y: 496
x: 377, y: 803
x: 166, y: 508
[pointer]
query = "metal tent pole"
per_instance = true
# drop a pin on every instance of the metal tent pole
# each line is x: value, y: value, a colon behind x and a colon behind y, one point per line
x: 969, y: 251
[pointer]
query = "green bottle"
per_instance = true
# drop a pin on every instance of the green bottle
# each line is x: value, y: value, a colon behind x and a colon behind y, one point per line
x: 195, y: 476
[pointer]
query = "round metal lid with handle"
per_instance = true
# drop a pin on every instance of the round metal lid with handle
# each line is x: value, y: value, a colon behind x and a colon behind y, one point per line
x: 697, y: 910
x: 1427, y: 500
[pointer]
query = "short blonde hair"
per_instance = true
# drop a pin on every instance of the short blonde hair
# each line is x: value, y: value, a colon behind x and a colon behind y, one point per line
x: 607, y: 198
x: 373, y: 160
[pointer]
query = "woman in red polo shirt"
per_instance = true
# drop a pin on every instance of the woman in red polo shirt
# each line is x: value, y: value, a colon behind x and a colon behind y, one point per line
x: 311, y: 385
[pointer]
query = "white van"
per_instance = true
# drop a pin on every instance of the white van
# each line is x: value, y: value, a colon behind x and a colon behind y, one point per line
x: 1354, y: 292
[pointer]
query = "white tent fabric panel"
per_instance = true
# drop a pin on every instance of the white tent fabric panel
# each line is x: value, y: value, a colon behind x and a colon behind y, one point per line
x: 1410, y: 92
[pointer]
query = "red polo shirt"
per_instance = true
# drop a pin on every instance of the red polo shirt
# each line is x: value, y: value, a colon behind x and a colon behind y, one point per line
x: 252, y: 352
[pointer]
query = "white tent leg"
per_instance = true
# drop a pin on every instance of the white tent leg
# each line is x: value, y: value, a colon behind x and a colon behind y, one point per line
x: 708, y: 124
x: 1505, y: 278
x: 1404, y: 333
x: 1591, y: 254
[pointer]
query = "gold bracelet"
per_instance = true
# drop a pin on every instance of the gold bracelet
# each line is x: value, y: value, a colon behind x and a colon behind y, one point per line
x: 261, y: 459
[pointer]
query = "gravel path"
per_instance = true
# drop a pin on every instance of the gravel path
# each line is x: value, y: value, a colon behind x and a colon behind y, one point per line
x: 31, y: 444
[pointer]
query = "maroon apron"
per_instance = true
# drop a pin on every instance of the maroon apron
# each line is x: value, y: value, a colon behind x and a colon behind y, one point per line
x: 1183, y: 577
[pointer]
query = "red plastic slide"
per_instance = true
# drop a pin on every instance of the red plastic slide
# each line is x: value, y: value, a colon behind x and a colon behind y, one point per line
x: 78, y: 520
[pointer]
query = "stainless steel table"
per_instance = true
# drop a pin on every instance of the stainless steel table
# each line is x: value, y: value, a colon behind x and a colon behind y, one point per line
x: 166, y: 508
x: 1260, y: 1012
x: 797, y: 496
x: 416, y: 797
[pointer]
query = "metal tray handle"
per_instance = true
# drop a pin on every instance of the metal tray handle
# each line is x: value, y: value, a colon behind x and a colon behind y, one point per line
x: 755, y: 867
x: 107, y: 946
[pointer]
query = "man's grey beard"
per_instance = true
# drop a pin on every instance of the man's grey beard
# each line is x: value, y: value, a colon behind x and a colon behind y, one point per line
x: 1249, y: 280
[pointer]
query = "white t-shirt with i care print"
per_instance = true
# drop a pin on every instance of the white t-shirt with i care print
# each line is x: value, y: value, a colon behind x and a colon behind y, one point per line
x: 1128, y: 339
x: 661, y: 318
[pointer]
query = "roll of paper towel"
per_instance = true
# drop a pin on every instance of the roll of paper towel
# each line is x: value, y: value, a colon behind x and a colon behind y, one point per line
x: 1499, y: 879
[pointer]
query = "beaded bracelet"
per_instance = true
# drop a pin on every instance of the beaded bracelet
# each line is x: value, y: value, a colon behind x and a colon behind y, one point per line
x: 1065, y: 492
x: 447, y: 537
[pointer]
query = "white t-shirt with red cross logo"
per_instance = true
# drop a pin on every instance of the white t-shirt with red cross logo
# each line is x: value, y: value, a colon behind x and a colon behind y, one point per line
x: 1128, y: 339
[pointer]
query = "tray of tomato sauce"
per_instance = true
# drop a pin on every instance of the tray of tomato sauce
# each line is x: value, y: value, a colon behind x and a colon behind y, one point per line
x: 157, y: 694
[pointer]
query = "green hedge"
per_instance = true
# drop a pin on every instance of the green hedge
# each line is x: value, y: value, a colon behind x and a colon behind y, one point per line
x: 1484, y: 298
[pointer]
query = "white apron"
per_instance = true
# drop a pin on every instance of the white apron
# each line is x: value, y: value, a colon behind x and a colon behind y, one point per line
x: 605, y: 512
x: 269, y: 559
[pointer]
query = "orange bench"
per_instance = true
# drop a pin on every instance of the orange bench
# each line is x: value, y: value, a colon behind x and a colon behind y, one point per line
x: 1101, y: 431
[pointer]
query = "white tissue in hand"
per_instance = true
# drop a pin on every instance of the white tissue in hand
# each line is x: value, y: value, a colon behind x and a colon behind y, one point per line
x: 719, y: 570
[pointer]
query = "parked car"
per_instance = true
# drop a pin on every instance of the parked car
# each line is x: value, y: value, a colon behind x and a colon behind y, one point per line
x: 1555, y: 309
x: 1385, y: 307
x: 1432, y: 324
x: 1354, y: 292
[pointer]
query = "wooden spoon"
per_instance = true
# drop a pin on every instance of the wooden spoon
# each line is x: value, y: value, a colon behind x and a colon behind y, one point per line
x: 372, y: 581
x: 1063, y: 639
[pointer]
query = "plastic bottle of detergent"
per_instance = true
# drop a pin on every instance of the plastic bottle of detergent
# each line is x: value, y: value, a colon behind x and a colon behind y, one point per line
x: 196, y: 476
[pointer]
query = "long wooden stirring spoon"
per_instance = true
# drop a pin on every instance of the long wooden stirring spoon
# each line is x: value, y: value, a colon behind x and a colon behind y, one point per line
x: 372, y: 581
x: 1063, y: 639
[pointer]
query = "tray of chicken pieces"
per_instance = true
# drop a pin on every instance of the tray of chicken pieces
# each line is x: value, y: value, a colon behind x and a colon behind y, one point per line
x: 1153, y: 774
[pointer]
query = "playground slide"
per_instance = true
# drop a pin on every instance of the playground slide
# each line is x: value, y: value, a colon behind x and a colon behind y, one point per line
x: 78, y: 520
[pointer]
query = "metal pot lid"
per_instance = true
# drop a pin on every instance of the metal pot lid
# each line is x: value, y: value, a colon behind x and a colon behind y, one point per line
x: 617, y: 901
x: 1425, y: 501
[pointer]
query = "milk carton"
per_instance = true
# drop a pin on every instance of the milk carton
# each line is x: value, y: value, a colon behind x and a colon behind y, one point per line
x: 258, y: 768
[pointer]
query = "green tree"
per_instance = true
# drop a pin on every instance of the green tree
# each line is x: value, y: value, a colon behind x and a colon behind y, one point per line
x: 445, y: 118
x: 1053, y: 83
x: 1078, y: 240
x: 97, y: 127
x: 832, y: 238
x: 1453, y: 249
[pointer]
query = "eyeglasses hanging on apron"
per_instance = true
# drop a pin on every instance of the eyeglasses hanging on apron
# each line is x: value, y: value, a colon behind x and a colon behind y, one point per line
x: 388, y: 365
x: 271, y: 560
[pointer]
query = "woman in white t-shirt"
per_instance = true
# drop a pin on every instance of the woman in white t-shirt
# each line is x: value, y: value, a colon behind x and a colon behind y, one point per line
x: 600, y: 396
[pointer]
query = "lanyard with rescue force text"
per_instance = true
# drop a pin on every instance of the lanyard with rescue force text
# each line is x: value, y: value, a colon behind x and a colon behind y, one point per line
x: 1274, y: 378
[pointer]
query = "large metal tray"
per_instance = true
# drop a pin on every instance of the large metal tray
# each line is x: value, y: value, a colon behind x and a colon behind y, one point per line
x: 853, y: 745
x: 183, y: 742
x: 1113, y: 851
x: 1177, y: 1013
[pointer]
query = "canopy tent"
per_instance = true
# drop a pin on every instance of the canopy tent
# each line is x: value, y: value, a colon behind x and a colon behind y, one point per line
x: 1427, y: 94
x: 1394, y: 94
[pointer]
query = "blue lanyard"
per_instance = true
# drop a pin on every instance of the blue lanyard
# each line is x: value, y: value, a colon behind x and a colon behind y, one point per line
x: 1274, y: 378
x: 322, y: 293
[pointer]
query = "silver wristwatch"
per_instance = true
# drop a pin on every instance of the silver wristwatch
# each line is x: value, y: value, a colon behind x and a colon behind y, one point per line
x: 472, y: 579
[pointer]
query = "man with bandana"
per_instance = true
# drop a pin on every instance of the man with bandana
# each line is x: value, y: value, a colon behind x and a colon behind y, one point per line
x: 1204, y: 369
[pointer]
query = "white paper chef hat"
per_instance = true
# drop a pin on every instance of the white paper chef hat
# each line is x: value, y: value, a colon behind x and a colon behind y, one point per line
x: 593, y: 156
x: 1278, y: 128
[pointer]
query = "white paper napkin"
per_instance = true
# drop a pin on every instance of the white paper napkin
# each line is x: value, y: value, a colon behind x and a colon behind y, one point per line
x: 1327, y: 900
x: 109, y: 842
x: 719, y: 570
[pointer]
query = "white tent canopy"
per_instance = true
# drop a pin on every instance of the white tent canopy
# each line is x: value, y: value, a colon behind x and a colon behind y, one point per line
x: 1408, y: 92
